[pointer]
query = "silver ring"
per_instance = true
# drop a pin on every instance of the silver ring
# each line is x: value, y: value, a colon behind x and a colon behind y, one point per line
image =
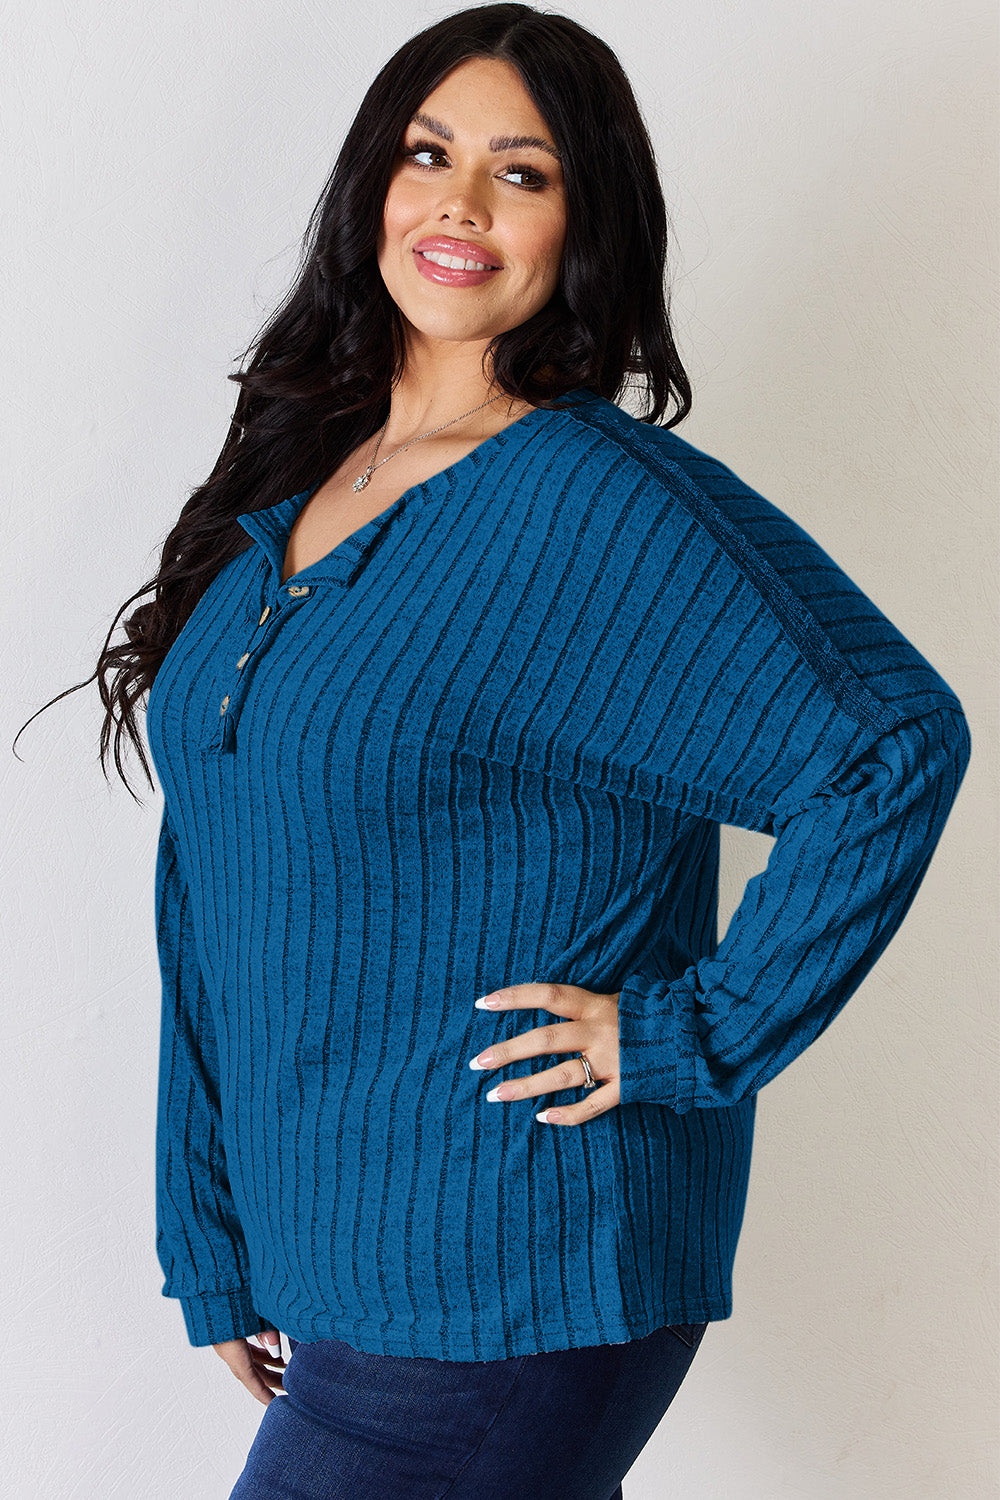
x: 590, y: 1082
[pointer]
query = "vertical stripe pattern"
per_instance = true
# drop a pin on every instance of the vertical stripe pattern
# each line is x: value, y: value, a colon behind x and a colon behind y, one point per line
x: 489, y: 740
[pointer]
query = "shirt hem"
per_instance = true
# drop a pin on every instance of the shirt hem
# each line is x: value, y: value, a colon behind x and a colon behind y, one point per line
x: 367, y: 1336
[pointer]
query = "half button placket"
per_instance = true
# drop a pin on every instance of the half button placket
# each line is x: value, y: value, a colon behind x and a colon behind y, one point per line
x: 339, y: 569
x: 288, y: 597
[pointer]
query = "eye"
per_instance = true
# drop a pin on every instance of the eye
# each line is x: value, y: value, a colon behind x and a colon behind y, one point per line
x: 422, y: 148
x: 540, y: 181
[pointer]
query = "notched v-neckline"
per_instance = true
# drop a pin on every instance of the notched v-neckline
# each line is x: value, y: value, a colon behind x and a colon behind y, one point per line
x: 271, y: 526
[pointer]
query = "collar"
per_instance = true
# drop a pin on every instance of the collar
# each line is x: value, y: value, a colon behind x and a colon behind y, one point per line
x: 271, y: 527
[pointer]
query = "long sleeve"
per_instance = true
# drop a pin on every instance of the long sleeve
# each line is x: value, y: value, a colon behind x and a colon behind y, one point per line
x: 199, y: 1241
x: 489, y: 739
x: 845, y: 866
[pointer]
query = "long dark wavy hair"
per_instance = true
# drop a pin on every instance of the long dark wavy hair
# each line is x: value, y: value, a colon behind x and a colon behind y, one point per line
x: 322, y: 371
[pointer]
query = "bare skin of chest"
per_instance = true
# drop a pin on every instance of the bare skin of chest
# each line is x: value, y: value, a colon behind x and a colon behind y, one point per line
x: 335, y: 511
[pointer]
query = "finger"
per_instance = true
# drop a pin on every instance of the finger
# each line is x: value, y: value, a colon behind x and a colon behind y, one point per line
x: 265, y: 1356
x: 565, y: 1075
x: 260, y: 1381
x: 557, y: 1036
x: 259, y: 1389
x: 261, y: 1376
x: 597, y: 1102
x: 557, y: 998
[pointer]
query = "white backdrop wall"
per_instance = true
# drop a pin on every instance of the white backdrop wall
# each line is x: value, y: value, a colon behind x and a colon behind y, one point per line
x: 830, y: 173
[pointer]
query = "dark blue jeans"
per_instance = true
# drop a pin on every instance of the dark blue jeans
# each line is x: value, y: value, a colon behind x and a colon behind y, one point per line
x: 566, y: 1424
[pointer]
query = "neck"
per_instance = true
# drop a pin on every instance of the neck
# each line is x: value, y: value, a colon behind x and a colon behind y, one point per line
x: 430, y: 394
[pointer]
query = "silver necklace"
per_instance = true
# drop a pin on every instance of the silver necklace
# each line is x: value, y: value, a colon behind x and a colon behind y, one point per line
x: 362, y: 479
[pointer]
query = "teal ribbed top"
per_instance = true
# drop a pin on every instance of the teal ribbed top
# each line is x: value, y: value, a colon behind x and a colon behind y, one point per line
x: 488, y: 740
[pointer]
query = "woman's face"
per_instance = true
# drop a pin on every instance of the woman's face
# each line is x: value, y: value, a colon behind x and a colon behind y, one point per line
x: 504, y: 203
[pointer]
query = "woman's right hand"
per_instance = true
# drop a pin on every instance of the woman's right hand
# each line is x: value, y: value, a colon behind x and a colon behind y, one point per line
x: 252, y: 1365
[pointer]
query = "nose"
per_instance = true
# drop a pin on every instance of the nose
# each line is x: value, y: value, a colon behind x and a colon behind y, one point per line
x: 464, y: 201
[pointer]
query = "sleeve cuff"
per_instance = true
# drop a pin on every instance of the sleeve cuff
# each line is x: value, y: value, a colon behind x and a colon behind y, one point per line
x: 655, y: 1053
x: 216, y: 1317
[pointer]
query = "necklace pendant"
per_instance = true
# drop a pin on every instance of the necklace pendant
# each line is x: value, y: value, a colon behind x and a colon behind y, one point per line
x: 362, y: 480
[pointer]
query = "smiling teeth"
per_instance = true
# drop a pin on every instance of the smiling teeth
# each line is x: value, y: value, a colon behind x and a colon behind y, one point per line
x: 453, y: 262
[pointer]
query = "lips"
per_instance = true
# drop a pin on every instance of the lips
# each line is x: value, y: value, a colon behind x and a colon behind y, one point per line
x: 464, y: 248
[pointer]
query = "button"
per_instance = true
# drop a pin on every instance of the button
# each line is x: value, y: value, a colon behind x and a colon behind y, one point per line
x: 267, y: 611
x: 295, y: 591
x: 244, y: 658
x: 225, y: 704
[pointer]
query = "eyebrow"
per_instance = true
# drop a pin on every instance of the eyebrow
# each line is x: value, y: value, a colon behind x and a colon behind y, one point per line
x: 496, y: 143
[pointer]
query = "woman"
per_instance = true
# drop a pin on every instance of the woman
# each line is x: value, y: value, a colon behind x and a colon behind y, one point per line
x: 458, y: 670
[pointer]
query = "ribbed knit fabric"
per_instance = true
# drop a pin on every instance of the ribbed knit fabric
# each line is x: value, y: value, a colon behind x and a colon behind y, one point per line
x: 489, y: 740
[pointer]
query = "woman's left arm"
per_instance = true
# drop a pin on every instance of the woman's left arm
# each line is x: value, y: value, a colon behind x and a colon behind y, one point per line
x: 845, y: 867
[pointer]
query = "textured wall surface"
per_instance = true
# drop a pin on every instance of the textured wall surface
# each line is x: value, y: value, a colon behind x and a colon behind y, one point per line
x: 830, y: 173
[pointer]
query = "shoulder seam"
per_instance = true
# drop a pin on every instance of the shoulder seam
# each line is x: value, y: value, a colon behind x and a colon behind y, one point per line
x: 831, y: 668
